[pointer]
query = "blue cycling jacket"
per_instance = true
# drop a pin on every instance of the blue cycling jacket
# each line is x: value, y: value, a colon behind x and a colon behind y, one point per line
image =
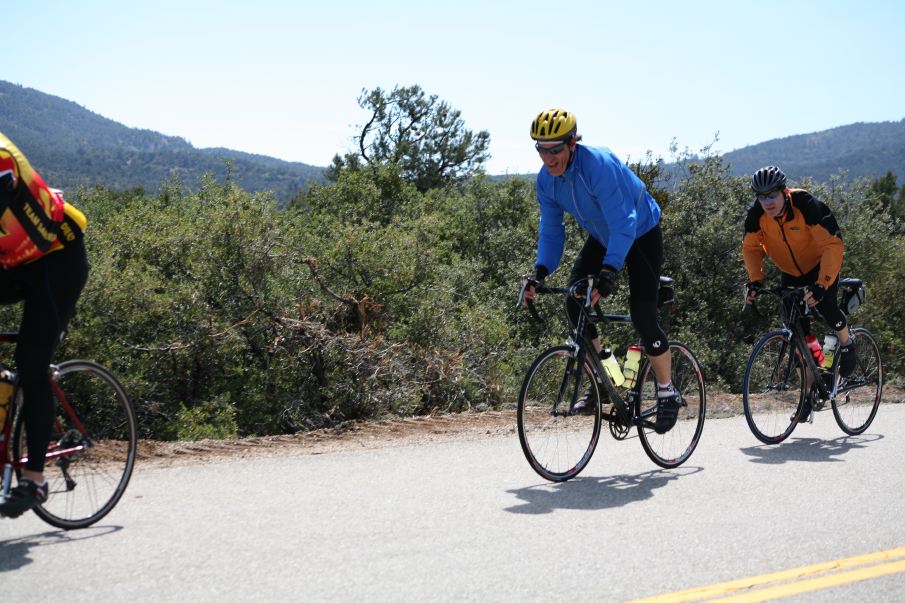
x: 606, y: 198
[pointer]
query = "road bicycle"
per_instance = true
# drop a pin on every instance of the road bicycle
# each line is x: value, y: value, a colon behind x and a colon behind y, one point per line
x: 558, y: 435
x: 92, y: 449
x: 782, y: 379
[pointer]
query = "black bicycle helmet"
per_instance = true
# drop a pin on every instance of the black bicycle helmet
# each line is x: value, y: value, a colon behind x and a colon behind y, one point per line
x: 768, y: 179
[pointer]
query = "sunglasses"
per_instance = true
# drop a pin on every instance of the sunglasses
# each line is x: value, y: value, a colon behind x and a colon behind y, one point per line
x: 550, y: 150
x: 765, y: 196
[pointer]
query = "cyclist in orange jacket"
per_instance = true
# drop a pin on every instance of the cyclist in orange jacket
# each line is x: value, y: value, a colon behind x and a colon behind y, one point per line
x: 43, y: 264
x: 800, y: 235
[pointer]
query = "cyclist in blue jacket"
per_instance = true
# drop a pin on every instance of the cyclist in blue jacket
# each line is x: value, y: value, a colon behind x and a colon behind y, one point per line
x: 623, y: 224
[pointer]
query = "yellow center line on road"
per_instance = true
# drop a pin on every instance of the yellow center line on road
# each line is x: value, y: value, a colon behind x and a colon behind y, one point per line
x: 794, y: 588
x: 805, y: 576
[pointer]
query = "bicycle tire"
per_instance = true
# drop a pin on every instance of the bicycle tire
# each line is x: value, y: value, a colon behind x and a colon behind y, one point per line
x: 86, y: 484
x: 674, y: 447
x: 557, y: 442
x: 856, y: 404
x: 773, y: 389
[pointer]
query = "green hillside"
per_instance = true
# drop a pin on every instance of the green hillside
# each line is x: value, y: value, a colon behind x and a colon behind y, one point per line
x: 73, y: 146
x: 860, y: 149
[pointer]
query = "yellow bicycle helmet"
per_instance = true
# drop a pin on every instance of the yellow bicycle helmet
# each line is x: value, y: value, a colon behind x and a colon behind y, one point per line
x: 554, y: 124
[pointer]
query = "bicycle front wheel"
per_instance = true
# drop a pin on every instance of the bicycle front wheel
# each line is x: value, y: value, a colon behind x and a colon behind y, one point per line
x: 858, y: 398
x: 558, y: 441
x: 92, y: 447
x: 673, y: 448
x: 773, y: 390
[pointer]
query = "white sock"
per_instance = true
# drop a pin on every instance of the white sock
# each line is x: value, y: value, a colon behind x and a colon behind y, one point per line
x: 665, y: 389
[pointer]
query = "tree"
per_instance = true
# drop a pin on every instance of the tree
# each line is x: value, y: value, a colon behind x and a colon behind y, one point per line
x: 882, y: 191
x: 421, y: 134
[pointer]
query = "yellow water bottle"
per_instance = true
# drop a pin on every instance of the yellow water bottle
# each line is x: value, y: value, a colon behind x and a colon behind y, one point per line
x: 612, y: 367
x: 829, y: 350
x: 632, y: 365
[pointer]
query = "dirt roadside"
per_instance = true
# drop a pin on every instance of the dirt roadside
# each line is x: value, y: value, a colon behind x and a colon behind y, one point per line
x: 365, y: 435
x: 381, y: 434
x: 356, y: 436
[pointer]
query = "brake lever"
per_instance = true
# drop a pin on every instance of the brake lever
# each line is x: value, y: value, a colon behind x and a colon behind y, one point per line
x: 528, y: 280
x: 521, y: 293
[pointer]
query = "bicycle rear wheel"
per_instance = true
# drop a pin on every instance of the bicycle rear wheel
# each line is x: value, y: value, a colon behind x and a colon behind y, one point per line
x: 858, y: 398
x: 557, y: 441
x: 773, y: 390
x: 92, y: 448
x: 673, y: 448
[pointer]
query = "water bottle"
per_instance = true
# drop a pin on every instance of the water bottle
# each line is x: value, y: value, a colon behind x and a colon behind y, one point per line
x: 612, y: 367
x: 814, y: 345
x: 829, y: 350
x: 632, y: 364
x: 6, y: 396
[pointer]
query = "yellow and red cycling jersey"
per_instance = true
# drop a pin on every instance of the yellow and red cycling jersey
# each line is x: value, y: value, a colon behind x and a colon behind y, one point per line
x: 34, y: 219
x: 803, y: 237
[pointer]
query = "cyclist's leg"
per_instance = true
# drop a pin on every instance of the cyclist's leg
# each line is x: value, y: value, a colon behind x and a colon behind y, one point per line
x: 588, y: 262
x: 644, y: 262
x: 829, y: 309
x: 54, y: 284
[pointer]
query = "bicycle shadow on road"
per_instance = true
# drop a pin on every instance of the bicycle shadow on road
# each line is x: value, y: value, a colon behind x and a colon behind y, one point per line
x: 14, y: 552
x: 594, y: 493
x: 810, y: 450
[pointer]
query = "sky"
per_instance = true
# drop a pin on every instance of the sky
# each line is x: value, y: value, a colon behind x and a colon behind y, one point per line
x: 282, y: 77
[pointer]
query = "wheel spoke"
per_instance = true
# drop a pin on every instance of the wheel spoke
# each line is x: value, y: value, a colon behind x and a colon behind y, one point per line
x: 95, y: 438
x: 557, y: 444
x: 773, y: 388
x: 859, y: 395
x: 674, y: 447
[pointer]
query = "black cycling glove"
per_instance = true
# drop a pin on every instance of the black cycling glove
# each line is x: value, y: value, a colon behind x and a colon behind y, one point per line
x: 817, y: 292
x: 754, y: 286
x: 540, y: 273
x: 606, y: 282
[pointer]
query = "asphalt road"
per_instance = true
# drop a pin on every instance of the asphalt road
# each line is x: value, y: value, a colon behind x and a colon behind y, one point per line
x: 469, y: 520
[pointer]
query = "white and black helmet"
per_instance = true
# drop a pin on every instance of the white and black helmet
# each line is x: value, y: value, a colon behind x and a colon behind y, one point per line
x: 768, y: 179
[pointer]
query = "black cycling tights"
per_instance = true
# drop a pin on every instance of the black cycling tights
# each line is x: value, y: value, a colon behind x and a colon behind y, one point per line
x: 644, y: 261
x: 49, y: 288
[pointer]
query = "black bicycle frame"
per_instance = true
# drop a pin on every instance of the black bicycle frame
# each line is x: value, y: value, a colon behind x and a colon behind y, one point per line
x: 797, y: 336
x: 584, y: 350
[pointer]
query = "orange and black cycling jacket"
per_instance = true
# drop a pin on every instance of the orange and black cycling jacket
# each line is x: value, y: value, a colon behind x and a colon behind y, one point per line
x: 34, y: 219
x: 803, y: 237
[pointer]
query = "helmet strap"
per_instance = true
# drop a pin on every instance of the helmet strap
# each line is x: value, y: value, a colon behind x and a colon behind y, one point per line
x: 573, y: 145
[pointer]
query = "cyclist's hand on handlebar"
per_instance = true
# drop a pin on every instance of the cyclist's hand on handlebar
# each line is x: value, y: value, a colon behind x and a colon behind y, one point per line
x: 534, y: 281
x: 605, y: 283
x: 752, y: 288
x: 530, y: 287
x: 814, y: 294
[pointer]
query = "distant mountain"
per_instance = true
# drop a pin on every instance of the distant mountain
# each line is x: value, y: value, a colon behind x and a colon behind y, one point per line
x: 860, y: 149
x: 70, y: 145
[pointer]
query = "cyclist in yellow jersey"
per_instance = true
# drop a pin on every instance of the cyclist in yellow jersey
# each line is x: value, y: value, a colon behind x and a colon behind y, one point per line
x: 43, y: 264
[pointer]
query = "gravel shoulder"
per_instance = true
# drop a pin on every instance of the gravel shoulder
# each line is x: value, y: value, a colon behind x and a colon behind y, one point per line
x: 411, y: 431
